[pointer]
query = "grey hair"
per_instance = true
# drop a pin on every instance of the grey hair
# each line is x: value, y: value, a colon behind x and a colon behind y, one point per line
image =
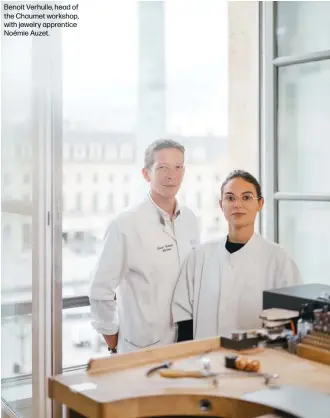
x: 159, y: 144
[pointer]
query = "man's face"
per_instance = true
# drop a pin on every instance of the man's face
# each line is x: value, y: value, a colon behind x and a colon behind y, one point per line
x: 166, y: 174
x: 239, y: 202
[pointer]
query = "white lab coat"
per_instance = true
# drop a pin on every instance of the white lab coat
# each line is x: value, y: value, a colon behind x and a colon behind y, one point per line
x: 140, y: 263
x: 223, y: 292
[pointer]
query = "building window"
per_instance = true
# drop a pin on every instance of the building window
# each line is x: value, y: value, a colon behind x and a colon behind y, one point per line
x: 110, y: 202
x: 78, y: 202
x: 111, y: 152
x: 95, y: 151
x: 95, y: 202
x: 126, y: 200
x: 79, y: 151
x: 79, y: 236
x: 79, y: 178
x: 126, y: 152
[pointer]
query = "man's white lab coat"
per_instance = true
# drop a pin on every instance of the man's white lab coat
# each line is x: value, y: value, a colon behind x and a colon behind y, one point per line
x: 223, y: 292
x: 140, y: 263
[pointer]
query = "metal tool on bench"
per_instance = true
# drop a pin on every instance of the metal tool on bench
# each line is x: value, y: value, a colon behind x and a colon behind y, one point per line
x: 244, y: 367
x: 200, y: 374
x: 165, y: 365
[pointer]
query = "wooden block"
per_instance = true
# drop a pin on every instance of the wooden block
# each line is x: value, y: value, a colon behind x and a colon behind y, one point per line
x: 313, y: 353
x: 318, y: 340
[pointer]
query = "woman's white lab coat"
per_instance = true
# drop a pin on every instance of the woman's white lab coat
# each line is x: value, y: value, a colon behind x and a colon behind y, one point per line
x: 223, y: 292
x: 140, y: 264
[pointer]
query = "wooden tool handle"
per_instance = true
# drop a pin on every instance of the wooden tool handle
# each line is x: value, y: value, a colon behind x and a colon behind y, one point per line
x: 246, y: 364
x: 174, y: 374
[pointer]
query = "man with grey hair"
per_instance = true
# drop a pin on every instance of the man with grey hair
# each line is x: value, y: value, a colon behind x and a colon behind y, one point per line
x: 144, y: 249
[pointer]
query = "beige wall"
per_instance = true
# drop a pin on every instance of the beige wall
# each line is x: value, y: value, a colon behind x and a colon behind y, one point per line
x: 243, y: 128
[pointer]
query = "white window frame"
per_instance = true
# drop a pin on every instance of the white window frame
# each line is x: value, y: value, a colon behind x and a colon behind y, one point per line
x: 268, y: 110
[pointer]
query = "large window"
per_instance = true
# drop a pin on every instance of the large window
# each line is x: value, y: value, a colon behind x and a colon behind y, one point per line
x: 117, y: 98
x: 28, y: 131
x: 299, y: 192
x: 303, y: 127
x: 16, y: 220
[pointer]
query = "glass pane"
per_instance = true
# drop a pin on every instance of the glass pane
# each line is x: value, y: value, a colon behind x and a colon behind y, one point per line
x: 16, y: 117
x: 99, y: 111
x: 304, y: 231
x: 120, y: 97
x: 303, y: 127
x: 80, y: 340
x: 16, y: 297
x: 302, y: 27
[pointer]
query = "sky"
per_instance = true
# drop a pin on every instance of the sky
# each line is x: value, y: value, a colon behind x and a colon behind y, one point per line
x: 101, y: 71
x: 101, y: 65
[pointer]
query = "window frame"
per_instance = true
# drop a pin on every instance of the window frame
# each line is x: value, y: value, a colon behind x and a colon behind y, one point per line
x: 271, y: 64
x: 45, y: 211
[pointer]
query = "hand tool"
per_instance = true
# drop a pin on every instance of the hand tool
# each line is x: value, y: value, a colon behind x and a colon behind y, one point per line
x: 242, y: 363
x: 165, y: 365
x: 200, y: 374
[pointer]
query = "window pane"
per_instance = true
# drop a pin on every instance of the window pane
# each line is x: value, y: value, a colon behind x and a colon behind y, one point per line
x: 302, y: 27
x: 16, y: 290
x: 304, y: 231
x: 303, y: 127
x: 80, y: 340
x: 120, y: 97
x: 16, y: 117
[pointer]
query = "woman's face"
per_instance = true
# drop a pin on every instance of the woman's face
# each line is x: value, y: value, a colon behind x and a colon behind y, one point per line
x: 239, y: 202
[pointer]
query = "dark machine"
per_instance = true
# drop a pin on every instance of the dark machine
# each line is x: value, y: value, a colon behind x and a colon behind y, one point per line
x: 311, y: 301
x: 304, y: 299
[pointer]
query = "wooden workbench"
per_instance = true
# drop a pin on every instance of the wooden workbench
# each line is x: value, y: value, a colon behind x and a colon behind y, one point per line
x: 117, y: 386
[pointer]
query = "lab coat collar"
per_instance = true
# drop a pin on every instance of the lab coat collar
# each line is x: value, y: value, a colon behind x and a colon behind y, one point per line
x: 163, y: 216
x: 242, y: 252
